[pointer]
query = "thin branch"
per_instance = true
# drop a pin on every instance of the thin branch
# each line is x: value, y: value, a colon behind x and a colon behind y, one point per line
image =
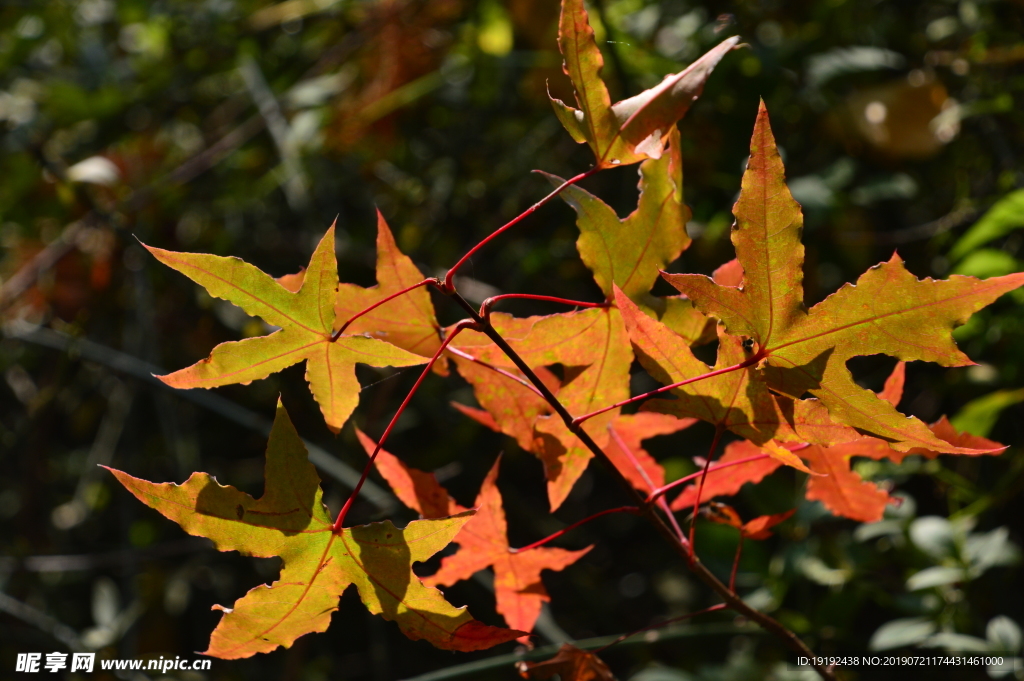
x: 730, y: 597
x: 544, y: 652
x: 448, y: 286
x: 459, y: 327
x: 658, y: 625
x: 146, y: 372
x: 41, y: 621
x: 665, y: 388
x: 608, y: 511
x: 94, y: 561
x: 425, y: 282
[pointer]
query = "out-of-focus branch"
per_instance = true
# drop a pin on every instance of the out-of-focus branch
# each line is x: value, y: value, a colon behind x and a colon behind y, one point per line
x: 40, y: 620
x: 144, y: 371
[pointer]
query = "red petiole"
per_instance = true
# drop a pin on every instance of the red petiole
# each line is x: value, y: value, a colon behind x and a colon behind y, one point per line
x: 682, y: 481
x: 700, y: 485
x: 736, y: 563
x: 621, y: 509
x: 485, y: 308
x: 713, y: 608
x: 425, y: 282
x: 461, y: 326
x: 665, y: 388
x: 447, y: 284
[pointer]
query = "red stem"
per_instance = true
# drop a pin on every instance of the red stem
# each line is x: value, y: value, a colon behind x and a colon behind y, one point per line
x: 720, y: 606
x: 447, y: 284
x: 662, y: 504
x: 337, y: 334
x: 464, y: 324
x: 736, y: 563
x: 672, y: 485
x: 700, y: 487
x: 497, y: 370
x: 485, y: 308
x: 717, y: 372
x: 621, y: 509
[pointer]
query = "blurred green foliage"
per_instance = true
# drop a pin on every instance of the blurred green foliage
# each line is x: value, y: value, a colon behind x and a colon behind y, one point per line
x: 244, y: 127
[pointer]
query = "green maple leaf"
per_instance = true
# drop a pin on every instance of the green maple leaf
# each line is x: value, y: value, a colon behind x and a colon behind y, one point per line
x: 319, y: 562
x: 306, y: 318
x: 888, y: 311
x: 635, y: 128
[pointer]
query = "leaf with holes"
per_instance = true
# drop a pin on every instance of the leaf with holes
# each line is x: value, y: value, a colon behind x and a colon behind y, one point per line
x: 319, y: 562
x: 306, y: 321
x: 888, y: 311
x: 635, y: 128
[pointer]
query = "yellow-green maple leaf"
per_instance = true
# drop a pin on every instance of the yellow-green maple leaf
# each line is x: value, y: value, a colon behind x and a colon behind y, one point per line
x: 306, y: 321
x: 319, y: 562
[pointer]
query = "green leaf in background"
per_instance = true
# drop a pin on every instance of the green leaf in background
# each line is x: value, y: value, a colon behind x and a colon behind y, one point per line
x: 902, y: 632
x: 987, y: 262
x: 978, y: 416
x: 1001, y: 219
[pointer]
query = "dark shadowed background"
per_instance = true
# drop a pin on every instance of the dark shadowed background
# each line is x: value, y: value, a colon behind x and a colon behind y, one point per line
x: 245, y: 127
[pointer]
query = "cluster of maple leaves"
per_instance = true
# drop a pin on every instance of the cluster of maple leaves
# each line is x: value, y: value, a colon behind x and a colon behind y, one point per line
x: 780, y: 382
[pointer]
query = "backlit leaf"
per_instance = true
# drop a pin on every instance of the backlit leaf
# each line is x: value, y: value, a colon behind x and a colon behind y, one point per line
x: 888, y: 311
x: 635, y: 128
x: 306, y: 318
x: 483, y: 543
x: 291, y: 521
x: 738, y: 400
x: 592, y: 347
x: 416, y: 489
x: 570, y: 664
x: 629, y: 253
x: 407, y: 321
x: 728, y: 481
x: 625, y: 450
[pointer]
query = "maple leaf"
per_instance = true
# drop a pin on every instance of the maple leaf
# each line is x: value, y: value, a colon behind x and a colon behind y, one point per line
x: 319, y: 563
x: 306, y: 318
x: 593, y: 349
x: 840, y: 489
x: 626, y: 453
x: 511, y: 407
x: 635, y: 128
x: 728, y: 481
x: 888, y: 311
x: 737, y: 400
x: 570, y: 664
x: 630, y: 252
x: 416, y: 489
x: 482, y: 542
x: 758, y: 528
x: 407, y: 321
